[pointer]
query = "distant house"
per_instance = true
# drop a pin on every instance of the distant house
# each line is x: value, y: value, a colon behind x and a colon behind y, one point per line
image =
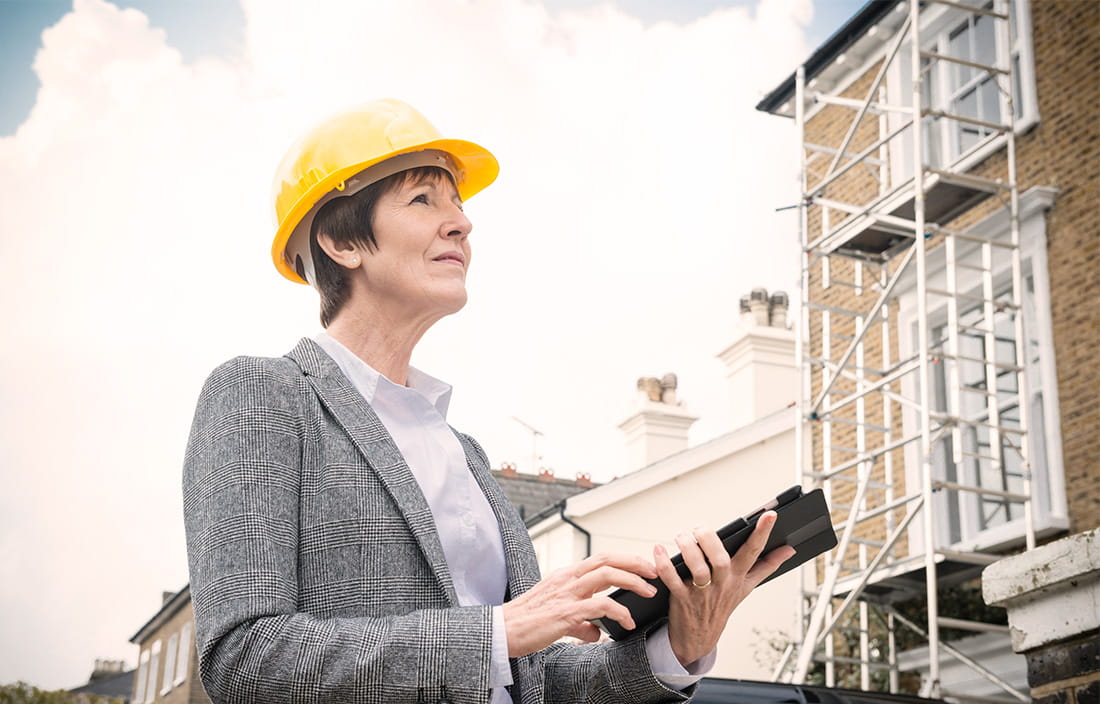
x: 670, y: 487
x: 110, y: 678
x: 532, y: 494
x: 167, y: 667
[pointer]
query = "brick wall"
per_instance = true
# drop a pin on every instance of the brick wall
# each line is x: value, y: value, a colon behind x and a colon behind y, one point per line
x: 1065, y: 151
x: 828, y: 127
x: 1067, y: 672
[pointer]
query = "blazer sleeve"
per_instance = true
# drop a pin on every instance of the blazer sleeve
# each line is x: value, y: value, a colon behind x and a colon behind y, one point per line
x: 241, y: 483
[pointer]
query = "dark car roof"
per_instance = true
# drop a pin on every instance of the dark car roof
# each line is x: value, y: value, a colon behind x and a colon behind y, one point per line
x: 716, y: 690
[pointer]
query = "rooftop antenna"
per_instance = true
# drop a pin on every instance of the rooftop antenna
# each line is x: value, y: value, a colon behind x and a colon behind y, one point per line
x: 535, y: 433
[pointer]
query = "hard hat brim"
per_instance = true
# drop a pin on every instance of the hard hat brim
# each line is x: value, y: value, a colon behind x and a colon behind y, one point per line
x: 477, y: 168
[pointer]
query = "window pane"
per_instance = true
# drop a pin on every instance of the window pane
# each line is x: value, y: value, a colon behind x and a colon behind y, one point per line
x: 169, y: 663
x: 958, y: 45
x: 1017, y: 96
x: 142, y: 677
x: 979, y: 465
x: 985, y: 40
x: 184, y: 654
x: 967, y: 106
x: 151, y: 686
x: 991, y: 102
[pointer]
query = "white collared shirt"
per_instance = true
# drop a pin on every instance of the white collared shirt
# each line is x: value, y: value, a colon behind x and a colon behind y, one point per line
x: 416, y: 418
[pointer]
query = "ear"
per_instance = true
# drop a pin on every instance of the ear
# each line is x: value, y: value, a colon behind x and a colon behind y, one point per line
x: 346, y: 254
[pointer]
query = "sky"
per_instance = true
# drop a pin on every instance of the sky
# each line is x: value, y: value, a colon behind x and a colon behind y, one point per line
x: 636, y: 204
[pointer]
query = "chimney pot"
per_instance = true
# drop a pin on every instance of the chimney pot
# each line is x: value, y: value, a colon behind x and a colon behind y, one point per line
x: 758, y: 305
x: 651, y: 387
x: 746, y: 312
x: 658, y: 426
x: 779, y: 306
x: 668, y: 389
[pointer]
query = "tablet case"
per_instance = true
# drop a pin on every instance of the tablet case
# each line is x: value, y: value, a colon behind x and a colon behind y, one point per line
x: 802, y: 521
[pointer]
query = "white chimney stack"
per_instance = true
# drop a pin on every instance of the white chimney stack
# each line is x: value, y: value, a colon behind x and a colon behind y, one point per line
x: 659, y: 423
x: 760, y: 364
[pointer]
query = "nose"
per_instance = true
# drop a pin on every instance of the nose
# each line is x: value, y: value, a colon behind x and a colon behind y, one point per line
x: 456, y: 224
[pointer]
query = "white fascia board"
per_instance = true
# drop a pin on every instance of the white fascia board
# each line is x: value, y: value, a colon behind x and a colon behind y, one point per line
x: 676, y: 465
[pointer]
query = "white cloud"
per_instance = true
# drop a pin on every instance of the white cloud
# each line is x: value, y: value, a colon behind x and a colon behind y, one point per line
x: 635, y: 205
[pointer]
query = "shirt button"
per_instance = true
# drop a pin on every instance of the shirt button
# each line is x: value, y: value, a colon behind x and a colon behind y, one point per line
x: 468, y: 520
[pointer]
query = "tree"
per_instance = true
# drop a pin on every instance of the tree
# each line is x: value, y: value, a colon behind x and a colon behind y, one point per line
x: 23, y: 693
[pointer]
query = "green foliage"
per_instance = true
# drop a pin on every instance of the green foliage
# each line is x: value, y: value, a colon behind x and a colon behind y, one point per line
x: 23, y: 693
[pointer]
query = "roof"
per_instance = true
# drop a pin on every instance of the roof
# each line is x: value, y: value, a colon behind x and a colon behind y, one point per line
x: 840, y: 41
x: 170, y: 608
x: 118, y: 685
x: 531, y: 494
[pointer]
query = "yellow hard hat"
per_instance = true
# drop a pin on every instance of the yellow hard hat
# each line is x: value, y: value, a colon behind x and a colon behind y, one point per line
x: 352, y: 150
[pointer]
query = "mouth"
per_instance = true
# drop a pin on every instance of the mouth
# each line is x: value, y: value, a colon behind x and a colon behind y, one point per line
x: 451, y: 258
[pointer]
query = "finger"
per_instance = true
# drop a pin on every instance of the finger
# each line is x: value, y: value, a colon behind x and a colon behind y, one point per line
x: 748, y: 553
x: 667, y: 572
x: 587, y: 632
x: 631, y: 563
x: 606, y: 607
x: 693, y: 558
x: 768, y: 564
x: 713, y: 550
x: 606, y: 577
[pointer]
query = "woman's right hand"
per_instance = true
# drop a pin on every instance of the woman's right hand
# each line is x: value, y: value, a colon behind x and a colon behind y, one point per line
x: 564, y: 601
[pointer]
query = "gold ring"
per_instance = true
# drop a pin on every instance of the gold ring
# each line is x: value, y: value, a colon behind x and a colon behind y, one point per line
x: 700, y: 586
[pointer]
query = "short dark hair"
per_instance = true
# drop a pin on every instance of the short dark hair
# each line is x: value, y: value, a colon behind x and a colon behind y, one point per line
x: 351, y: 220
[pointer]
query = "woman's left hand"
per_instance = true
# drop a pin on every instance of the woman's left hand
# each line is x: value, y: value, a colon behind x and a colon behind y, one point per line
x: 700, y: 608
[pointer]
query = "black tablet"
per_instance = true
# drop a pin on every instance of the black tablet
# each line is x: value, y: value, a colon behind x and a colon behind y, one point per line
x: 802, y: 521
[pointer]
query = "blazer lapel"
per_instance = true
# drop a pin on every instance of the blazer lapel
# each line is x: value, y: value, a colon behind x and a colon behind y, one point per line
x: 368, y: 434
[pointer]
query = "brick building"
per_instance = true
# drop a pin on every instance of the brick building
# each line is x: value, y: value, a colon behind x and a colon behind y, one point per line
x: 1002, y: 99
x: 167, y: 664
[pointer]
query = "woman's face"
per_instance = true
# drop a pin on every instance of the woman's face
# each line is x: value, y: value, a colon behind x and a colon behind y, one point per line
x: 423, y: 248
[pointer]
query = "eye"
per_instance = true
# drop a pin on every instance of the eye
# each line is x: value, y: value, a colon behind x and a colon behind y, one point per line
x: 422, y: 198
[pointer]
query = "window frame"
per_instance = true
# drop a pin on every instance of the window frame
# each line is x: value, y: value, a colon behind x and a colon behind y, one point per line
x: 151, y: 685
x: 141, y: 681
x: 183, y: 654
x: 1049, y: 507
x: 169, y: 663
x: 937, y: 22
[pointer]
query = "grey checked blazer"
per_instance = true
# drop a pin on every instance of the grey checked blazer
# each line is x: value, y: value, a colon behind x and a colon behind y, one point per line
x: 317, y: 574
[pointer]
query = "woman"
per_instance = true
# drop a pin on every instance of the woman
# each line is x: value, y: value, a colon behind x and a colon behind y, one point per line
x: 345, y: 544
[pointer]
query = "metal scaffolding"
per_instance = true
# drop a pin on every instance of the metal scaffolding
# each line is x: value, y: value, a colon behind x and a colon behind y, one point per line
x: 902, y: 440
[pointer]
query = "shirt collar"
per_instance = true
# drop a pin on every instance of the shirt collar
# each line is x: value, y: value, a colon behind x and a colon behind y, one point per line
x: 370, y: 383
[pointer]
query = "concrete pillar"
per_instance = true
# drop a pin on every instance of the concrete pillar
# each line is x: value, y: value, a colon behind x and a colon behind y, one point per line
x: 1052, y: 595
x: 761, y: 373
